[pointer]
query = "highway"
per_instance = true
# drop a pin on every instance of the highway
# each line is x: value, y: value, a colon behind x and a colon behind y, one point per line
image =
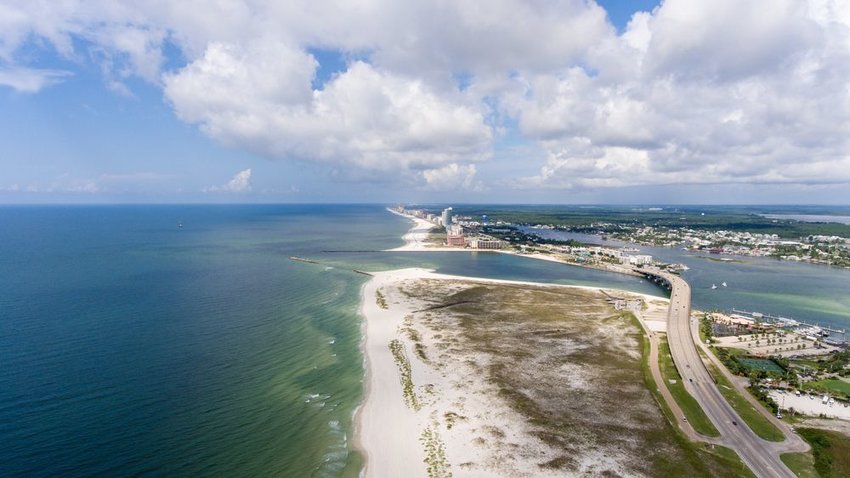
x: 761, y: 456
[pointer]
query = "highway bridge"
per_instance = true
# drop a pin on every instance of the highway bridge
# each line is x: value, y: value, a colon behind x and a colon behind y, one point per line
x: 682, y: 335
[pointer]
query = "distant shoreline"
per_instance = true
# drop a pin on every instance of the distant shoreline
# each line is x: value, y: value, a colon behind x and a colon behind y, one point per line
x: 415, y: 237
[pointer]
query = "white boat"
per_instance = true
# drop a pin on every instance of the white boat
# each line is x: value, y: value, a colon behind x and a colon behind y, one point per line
x: 723, y: 284
x: 713, y: 286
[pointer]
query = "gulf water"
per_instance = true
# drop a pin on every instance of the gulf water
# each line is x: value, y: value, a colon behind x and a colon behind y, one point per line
x: 131, y: 346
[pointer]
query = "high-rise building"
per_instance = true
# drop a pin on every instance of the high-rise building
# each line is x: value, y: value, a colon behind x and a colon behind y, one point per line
x: 446, y: 218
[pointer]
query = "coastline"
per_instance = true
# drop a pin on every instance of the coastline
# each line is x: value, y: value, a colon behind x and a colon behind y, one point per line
x: 387, y: 430
x: 414, y: 239
x: 382, y: 422
x: 415, y: 242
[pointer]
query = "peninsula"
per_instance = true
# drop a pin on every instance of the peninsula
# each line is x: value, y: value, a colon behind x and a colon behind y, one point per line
x: 470, y: 372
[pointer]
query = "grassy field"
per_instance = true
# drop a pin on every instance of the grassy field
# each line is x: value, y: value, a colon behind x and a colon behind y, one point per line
x: 832, y: 385
x: 573, y: 367
x: 802, y: 464
x: 752, y: 417
x: 829, y: 458
x: 690, y: 407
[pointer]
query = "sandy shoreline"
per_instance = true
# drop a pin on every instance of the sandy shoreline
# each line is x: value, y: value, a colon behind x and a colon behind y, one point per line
x: 388, y: 431
x: 414, y: 239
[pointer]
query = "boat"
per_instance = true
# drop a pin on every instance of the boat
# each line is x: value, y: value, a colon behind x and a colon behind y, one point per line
x: 713, y: 286
x: 723, y: 284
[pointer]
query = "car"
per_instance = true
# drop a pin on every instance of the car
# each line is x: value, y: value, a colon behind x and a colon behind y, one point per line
x: 734, y: 423
x: 685, y: 418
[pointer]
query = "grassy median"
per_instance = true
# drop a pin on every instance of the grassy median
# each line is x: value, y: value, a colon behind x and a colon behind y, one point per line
x: 760, y: 425
x: 690, y: 407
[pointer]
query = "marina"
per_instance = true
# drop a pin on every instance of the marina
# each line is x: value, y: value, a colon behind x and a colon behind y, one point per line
x: 825, y: 333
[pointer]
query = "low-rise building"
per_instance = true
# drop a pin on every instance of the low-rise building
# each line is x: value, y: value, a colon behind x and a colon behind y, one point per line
x: 637, y: 260
x: 486, y: 244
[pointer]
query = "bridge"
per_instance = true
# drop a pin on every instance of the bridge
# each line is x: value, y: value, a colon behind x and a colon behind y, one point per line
x: 761, y: 456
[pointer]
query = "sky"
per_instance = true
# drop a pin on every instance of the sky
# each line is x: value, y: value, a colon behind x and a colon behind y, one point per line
x: 488, y: 101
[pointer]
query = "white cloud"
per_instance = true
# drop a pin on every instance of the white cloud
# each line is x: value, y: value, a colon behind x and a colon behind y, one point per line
x: 259, y: 98
x: 29, y: 80
x: 451, y: 177
x: 240, y: 183
x: 693, y: 92
x: 711, y: 92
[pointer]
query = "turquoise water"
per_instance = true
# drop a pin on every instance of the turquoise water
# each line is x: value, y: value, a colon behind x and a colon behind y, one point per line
x: 809, y: 292
x: 130, y: 346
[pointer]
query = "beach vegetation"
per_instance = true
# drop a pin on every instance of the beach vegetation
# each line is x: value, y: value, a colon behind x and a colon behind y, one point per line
x: 381, y: 300
x: 451, y: 418
x: 416, y: 339
x: 573, y: 368
x: 405, y: 373
x: 435, y: 454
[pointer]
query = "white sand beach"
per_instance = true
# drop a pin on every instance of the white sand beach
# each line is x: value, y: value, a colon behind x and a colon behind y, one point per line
x: 415, y: 238
x: 393, y: 433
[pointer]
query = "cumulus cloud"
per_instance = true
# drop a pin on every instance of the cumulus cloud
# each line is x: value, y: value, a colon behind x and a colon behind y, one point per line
x: 702, y: 92
x: 259, y: 98
x: 451, y: 177
x: 240, y: 183
x: 708, y: 91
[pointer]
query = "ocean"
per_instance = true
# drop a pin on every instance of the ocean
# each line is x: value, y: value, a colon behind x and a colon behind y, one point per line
x: 183, y: 341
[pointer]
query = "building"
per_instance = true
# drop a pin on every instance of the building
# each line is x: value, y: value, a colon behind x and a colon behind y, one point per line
x: 446, y: 218
x: 637, y: 260
x: 486, y: 244
x: 455, y: 240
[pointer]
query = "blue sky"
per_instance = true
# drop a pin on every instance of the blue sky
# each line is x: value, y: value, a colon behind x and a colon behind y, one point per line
x: 546, y: 102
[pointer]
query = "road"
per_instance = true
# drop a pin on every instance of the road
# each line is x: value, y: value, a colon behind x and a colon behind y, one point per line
x: 761, y: 456
x: 661, y: 385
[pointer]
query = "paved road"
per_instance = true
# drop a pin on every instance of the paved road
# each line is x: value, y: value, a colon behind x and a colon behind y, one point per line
x: 761, y: 456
